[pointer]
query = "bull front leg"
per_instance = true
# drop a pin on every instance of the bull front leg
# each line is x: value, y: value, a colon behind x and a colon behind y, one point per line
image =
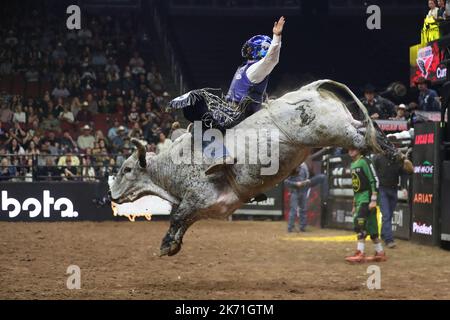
x: 181, y: 219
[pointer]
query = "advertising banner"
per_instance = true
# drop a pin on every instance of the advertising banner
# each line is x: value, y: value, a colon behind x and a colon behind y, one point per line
x: 339, y: 216
x: 392, y: 125
x: 426, y: 179
x: 272, y: 207
x: 401, y: 221
x: 52, y: 201
x: 426, y: 61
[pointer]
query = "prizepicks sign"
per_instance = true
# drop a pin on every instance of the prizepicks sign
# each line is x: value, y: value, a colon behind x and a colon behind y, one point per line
x: 425, y: 196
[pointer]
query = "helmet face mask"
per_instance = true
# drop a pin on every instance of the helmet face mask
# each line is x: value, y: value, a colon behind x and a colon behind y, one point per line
x: 256, y: 48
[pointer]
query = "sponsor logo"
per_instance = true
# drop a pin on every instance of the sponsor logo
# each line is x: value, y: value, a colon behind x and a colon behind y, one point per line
x: 36, y: 207
x: 422, y: 229
x: 427, y: 138
x: 426, y: 169
x: 441, y: 72
x: 356, y: 183
x: 423, y: 198
x: 397, y: 220
x: 392, y: 125
x: 424, y: 60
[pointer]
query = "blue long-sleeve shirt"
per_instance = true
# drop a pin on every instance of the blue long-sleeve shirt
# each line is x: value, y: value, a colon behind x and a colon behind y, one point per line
x: 302, y: 175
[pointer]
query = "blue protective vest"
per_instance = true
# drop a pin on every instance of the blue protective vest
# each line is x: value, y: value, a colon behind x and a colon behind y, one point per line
x: 242, y: 87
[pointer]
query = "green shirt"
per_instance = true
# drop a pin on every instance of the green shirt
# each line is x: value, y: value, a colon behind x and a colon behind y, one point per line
x: 364, y: 180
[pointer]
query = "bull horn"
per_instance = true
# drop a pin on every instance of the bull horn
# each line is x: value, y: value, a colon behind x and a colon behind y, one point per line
x: 141, y: 152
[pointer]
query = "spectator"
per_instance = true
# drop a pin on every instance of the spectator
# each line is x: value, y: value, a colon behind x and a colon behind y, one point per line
x: 28, y: 171
x: 401, y: 113
x: 128, y: 82
x: 136, y: 131
x: 50, y: 123
x: 68, y: 158
x: 137, y: 64
x: 49, y: 172
x: 86, y: 139
x: 75, y: 106
x: 32, y: 75
x: 33, y: 149
x: 432, y: 4
x: 118, y: 141
x: 113, y: 132
x: 92, y: 104
x: 377, y: 106
x: 133, y: 117
x: 15, y: 148
x: 104, y: 105
x: 67, y: 142
x: 88, y: 171
x: 112, y: 67
x: 59, y: 53
x: 60, y: 91
x: 411, y: 113
x: 3, y: 134
x: 59, y: 108
x: 88, y: 79
x: 428, y: 98
x: 69, y: 171
x: 19, y: 115
x: 164, y: 143
x: 6, y: 114
x: 441, y: 15
x: 6, y: 67
x: 66, y: 114
x: 84, y: 116
x: 32, y: 117
x: 7, y: 171
x: 52, y: 143
x: 99, y: 59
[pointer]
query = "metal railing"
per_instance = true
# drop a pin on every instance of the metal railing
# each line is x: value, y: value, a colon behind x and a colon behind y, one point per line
x: 32, y: 167
x: 170, y: 53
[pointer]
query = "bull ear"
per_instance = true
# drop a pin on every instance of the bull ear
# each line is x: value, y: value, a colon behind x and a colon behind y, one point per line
x: 141, y: 152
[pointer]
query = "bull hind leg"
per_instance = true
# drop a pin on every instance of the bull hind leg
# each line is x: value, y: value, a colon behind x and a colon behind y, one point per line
x: 182, y: 217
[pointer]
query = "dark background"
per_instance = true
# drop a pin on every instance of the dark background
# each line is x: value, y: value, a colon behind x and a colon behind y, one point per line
x: 319, y: 40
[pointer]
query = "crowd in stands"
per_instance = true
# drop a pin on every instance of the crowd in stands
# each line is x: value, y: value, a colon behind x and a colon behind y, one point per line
x: 70, y: 101
x: 381, y: 108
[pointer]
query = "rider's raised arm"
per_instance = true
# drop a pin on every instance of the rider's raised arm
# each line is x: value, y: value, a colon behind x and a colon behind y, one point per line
x: 257, y: 72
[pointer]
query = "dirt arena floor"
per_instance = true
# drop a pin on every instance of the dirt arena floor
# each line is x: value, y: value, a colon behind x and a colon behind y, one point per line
x: 219, y: 260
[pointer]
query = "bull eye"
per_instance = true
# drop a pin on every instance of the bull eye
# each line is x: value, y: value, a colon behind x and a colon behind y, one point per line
x: 127, y: 170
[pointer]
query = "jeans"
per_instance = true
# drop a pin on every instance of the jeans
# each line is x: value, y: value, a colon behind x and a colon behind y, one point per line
x: 388, y: 203
x: 298, y: 200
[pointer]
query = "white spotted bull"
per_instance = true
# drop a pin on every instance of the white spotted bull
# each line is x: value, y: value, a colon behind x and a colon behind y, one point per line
x: 321, y: 114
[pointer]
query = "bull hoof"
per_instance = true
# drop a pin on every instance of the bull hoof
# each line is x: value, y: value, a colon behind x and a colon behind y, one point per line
x: 170, y: 250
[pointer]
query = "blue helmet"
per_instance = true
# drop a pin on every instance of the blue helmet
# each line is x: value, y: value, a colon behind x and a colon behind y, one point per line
x: 256, y: 48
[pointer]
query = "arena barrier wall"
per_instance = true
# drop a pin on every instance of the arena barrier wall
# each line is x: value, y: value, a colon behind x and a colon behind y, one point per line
x: 73, y: 201
x: 338, y: 213
x: 445, y: 202
x: 426, y: 184
x: 53, y: 201
x: 272, y: 207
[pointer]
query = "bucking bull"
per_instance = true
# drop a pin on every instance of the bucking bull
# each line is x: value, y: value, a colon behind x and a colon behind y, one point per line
x: 322, y: 114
